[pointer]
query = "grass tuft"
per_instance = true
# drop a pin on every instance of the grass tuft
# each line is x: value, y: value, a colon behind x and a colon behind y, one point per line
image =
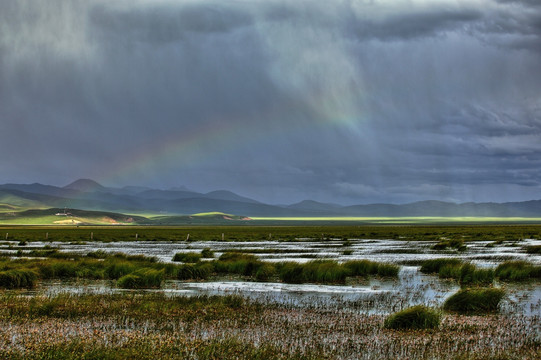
x: 416, y: 317
x: 18, y: 278
x: 367, y: 267
x: 481, y: 300
x: 518, y: 271
x: 189, y: 257
x: 207, y: 253
x: 142, y: 279
x: 433, y: 266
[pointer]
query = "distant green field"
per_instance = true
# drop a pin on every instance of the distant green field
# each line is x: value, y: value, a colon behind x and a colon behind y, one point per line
x: 465, y: 232
x: 406, y: 220
x: 12, y: 215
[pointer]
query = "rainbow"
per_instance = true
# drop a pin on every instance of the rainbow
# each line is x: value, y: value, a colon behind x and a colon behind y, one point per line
x: 191, y: 147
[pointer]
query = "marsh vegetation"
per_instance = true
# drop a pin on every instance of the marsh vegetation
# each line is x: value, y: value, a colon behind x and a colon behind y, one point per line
x: 307, y: 293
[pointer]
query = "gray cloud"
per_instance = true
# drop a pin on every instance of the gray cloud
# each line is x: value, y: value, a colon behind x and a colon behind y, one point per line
x: 521, y: 2
x: 162, y: 23
x: 412, y: 24
x: 347, y: 101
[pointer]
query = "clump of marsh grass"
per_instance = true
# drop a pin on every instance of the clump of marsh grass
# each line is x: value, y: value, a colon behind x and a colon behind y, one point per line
x: 324, y: 271
x: 457, y: 244
x: 199, y: 271
x: 18, y: 278
x: 471, y: 275
x: 188, y: 257
x: 533, y: 249
x: 292, y: 273
x: 141, y: 279
x: 98, y: 254
x: 480, y: 300
x: 237, y: 263
x: 367, y: 267
x: 464, y: 273
x: 207, y: 253
x: 416, y: 317
x: 331, y: 272
x: 115, y: 269
x: 265, y: 272
x: 518, y: 271
x: 433, y: 266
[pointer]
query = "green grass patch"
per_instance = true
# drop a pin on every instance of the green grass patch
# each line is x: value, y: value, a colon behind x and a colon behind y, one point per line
x: 433, y: 266
x: 189, y: 257
x: 18, y: 278
x: 414, y: 318
x: 199, y: 271
x: 416, y: 231
x: 367, y: 268
x: 207, y: 253
x: 457, y: 244
x: 265, y: 272
x: 331, y: 272
x: 325, y: 272
x: 533, y: 249
x: 480, y: 300
x: 142, y: 279
x: 518, y: 271
x: 465, y: 274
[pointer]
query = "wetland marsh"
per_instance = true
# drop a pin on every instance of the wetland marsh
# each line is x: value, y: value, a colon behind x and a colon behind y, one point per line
x: 218, y: 307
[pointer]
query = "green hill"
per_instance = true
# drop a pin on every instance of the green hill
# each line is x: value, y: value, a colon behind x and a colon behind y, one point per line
x: 8, y: 200
x: 56, y: 216
x: 199, y: 218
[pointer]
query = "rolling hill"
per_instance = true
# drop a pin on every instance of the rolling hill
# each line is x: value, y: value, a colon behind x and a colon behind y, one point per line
x: 178, y: 205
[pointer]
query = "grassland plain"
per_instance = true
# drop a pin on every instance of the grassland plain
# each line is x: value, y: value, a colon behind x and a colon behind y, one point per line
x: 465, y: 232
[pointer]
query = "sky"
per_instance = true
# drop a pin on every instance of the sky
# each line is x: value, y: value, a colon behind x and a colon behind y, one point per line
x: 348, y: 102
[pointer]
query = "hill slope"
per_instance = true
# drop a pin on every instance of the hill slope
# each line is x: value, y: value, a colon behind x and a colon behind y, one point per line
x: 90, y: 195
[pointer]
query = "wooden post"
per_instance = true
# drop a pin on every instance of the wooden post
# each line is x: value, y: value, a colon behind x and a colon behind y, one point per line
x: 7, y: 234
x: 270, y: 236
x: 188, y: 237
x: 136, y: 236
x: 222, y: 236
x: 46, y: 236
x: 91, y: 236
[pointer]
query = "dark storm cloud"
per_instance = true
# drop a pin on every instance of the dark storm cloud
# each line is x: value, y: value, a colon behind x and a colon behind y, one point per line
x: 163, y: 23
x: 516, y: 24
x: 347, y: 101
x: 522, y: 2
x: 413, y: 24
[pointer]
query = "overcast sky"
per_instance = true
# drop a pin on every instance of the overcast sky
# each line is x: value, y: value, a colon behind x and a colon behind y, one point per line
x: 350, y: 102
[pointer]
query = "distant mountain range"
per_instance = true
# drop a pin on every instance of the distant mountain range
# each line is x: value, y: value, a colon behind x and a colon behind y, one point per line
x: 89, y: 195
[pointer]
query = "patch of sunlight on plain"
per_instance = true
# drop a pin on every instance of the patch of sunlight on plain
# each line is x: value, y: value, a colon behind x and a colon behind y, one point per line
x: 406, y: 220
